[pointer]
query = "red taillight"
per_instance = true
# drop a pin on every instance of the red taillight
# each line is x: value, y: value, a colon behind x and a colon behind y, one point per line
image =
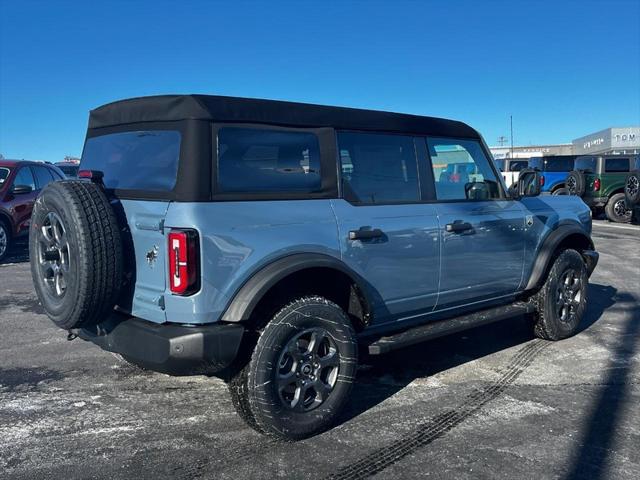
x: 596, y: 185
x: 542, y: 180
x: 183, y: 262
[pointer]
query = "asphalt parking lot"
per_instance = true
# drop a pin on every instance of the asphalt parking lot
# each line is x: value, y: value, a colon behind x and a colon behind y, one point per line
x: 492, y: 402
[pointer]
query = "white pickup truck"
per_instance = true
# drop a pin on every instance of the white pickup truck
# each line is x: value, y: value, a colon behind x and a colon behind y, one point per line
x: 510, y: 168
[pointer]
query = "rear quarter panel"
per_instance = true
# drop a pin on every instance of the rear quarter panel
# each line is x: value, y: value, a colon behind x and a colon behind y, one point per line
x: 237, y: 239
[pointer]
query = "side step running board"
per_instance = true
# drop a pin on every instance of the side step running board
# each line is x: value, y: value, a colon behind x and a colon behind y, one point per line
x: 445, y: 327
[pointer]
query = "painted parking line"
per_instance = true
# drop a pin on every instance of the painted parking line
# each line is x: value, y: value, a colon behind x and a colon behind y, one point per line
x: 620, y: 227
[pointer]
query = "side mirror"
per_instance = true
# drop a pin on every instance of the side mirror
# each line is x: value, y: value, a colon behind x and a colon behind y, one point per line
x: 21, y: 189
x: 527, y: 185
x: 476, y: 191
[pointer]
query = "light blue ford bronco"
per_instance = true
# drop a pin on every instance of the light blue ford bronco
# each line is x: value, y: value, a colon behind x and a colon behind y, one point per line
x: 270, y: 243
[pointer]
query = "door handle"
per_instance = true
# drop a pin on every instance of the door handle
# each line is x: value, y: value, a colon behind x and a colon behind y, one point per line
x: 458, y: 226
x: 365, y: 233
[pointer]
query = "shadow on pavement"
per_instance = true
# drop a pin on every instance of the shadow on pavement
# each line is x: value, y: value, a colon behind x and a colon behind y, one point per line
x: 382, y: 376
x: 18, y: 252
x: 593, y: 452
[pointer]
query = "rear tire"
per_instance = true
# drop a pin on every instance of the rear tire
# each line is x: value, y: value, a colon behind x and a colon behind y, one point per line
x: 616, y: 209
x: 300, y: 373
x: 75, y: 251
x: 5, y: 239
x: 562, y: 300
x: 561, y: 191
x: 632, y: 189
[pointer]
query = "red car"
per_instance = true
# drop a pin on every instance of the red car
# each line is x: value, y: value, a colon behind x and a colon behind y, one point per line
x: 20, y: 183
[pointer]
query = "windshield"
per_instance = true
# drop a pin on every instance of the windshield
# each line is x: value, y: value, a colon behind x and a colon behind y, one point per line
x: 587, y: 164
x: 4, y: 174
x: 142, y: 160
x: 69, y: 170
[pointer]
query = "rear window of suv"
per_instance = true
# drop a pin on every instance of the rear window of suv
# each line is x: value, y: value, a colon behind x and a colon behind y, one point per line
x: 140, y: 160
x: 613, y: 165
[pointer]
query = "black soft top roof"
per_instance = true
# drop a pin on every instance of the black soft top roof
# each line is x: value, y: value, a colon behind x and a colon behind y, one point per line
x: 248, y: 110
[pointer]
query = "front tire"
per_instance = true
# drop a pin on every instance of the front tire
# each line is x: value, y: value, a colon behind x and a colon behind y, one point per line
x: 5, y: 239
x: 616, y: 209
x: 301, y: 371
x: 562, y: 300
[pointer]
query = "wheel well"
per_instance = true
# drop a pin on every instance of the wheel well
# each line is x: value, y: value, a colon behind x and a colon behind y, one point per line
x: 576, y: 241
x: 558, y: 187
x: 332, y: 284
x: 7, y: 221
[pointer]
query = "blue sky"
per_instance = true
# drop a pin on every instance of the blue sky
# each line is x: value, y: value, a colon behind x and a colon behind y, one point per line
x: 563, y: 69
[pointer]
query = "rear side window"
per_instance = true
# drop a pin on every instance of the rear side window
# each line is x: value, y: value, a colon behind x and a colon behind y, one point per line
x: 461, y: 170
x: 378, y: 168
x: 558, y: 164
x: 25, y: 177
x: 43, y: 176
x: 141, y: 160
x: 612, y: 165
x: 253, y: 160
x: 4, y: 174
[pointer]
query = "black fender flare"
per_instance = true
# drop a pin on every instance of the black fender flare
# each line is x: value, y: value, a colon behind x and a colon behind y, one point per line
x: 550, y: 245
x: 249, y: 295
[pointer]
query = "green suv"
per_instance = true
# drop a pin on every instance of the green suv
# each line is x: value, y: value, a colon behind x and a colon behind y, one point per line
x: 600, y: 182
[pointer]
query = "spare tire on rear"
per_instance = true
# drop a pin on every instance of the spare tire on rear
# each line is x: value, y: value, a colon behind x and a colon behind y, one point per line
x: 632, y: 189
x: 576, y: 183
x: 76, y: 253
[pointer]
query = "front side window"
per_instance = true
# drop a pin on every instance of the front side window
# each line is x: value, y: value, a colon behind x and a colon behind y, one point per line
x: 616, y: 165
x: 378, y: 168
x: 254, y: 160
x: 25, y: 177
x: 140, y: 160
x: 461, y: 170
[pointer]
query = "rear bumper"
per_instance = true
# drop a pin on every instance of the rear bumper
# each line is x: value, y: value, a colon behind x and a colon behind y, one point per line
x: 595, y: 201
x: 168, y: 348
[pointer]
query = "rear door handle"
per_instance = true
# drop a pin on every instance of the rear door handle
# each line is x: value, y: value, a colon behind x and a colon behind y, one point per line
x: 365, y: 233
x: 458, y: 226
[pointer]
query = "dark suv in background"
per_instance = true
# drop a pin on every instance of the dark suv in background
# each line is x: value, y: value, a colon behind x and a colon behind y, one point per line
x: 20, y: 183
x: 600, y: 181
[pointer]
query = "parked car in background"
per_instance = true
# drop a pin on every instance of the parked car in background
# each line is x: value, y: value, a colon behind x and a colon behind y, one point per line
x: 70, y: 169
x: 554, y: 170
x: 20, y: 183
x: 632, y: 191
x: 510, y: 168
x: 306, y: 232
x: 600, y: 181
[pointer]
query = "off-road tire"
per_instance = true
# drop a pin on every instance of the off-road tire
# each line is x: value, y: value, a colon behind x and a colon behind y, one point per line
x: 615, y: 206
x: 561, y: 191
x: 632, y: 189
x: 576, y: 183
x: 5, y: 233
x: 254, y: 389
x: 94, y: 247
x: 548, y: 324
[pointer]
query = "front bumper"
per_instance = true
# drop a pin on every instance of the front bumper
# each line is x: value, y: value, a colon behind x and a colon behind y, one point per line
x: 168, y: 348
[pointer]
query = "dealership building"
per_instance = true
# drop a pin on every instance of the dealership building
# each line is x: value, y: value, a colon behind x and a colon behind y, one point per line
x: 610, y: 141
